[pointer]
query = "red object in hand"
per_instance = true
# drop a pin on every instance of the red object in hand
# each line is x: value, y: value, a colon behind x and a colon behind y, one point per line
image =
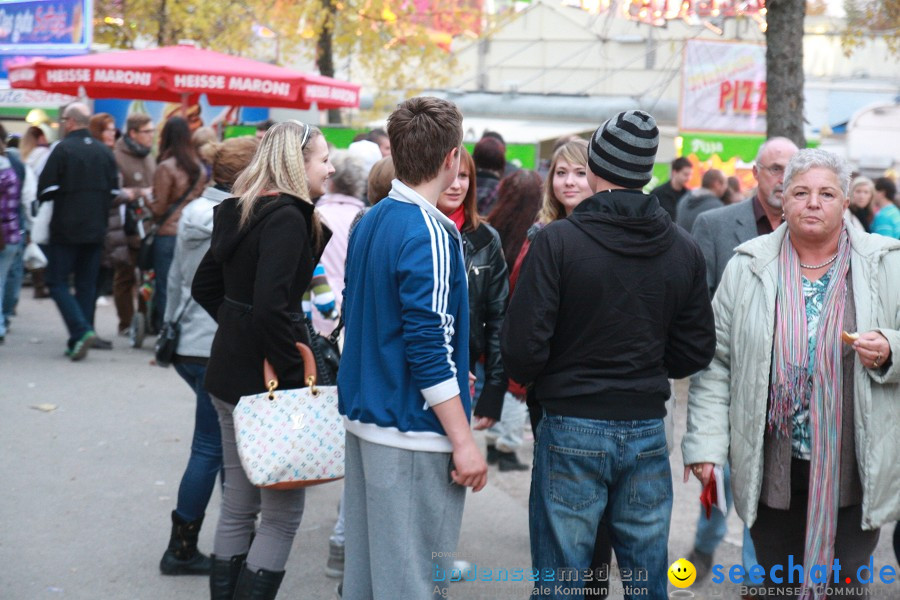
x: 709, y: 497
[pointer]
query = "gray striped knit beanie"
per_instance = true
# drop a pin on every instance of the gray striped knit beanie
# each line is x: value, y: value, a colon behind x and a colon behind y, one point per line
x: 623, y: 149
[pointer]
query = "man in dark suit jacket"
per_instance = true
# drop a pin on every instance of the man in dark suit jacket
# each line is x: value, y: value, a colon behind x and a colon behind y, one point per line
x: 721, y: 230
x: 81, y: 178
x: 718, y: 232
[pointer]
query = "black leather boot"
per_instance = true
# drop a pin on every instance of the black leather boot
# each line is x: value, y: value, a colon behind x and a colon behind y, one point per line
x: 258, y: 585
x: 224, y: 575
x: 182, y: 556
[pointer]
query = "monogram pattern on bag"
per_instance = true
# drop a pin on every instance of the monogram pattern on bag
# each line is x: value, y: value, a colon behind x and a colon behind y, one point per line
x: 295, y: 437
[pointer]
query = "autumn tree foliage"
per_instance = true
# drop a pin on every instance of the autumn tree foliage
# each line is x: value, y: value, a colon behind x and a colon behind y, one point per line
x: 388, y: 42
x: 223, y: 25
x: 869, y: 18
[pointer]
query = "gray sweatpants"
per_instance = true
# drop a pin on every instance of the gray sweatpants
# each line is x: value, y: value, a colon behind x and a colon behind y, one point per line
x: 402, y: 521
x: 280, y: 511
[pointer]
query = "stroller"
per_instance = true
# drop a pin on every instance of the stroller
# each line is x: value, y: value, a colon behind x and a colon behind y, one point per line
x: 142, y: 325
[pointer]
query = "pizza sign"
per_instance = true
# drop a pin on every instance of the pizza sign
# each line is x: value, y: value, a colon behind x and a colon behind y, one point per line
x: 723, y: 87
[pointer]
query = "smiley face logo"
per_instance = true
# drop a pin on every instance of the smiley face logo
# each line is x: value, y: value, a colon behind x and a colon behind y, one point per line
x: 682, y: 573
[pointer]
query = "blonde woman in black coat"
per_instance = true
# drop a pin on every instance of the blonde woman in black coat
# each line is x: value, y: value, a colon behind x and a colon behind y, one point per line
x: 265, y: 244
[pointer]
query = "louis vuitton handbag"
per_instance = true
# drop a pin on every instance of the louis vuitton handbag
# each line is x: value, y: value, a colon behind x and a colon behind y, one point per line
x: 290, y: 439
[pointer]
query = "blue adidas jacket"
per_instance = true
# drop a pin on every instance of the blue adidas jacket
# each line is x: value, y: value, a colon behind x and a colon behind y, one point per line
x: 406, y: 324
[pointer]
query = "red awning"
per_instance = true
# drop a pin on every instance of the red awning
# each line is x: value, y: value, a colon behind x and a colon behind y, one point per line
x: 170, y: 73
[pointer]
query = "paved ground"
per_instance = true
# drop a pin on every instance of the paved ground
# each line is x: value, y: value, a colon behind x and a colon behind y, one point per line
x: 88, y: 486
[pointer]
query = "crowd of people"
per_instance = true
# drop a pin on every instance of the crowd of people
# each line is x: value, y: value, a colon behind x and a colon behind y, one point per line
x: 476, y: 295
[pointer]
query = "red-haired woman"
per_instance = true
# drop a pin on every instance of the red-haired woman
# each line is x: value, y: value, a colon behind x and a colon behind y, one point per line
x: 488, y: 285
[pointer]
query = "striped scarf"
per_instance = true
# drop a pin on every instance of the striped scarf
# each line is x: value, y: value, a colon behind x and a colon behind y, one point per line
x: 790, y: 380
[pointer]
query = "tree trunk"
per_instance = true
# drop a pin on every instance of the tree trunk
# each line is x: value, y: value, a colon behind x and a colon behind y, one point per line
x: 163, y: 23
x: 325, y: 54
x: 784, y: 69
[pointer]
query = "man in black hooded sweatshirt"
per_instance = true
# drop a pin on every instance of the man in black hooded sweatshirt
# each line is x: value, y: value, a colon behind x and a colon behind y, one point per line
x: 610, y: 304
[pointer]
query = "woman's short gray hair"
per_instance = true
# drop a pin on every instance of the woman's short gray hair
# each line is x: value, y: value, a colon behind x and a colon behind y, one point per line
x: 349, y: 175
x: 815, y: 158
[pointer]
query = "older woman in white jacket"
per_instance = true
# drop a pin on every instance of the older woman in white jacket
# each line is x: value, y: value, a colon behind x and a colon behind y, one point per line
x: 808, y: 423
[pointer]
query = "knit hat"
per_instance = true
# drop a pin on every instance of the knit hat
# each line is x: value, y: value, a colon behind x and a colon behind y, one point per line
x: 623, y: 149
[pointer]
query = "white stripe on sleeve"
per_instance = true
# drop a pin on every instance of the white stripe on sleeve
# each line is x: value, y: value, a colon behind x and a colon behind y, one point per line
x: 440, y: 252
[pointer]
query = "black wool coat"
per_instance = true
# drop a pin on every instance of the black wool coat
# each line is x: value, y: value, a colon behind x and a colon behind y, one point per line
x: 252, y: 281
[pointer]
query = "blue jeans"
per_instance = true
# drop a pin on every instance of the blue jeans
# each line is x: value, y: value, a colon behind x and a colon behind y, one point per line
x: 585, y: 469
x: 7, y: 260
x: 710, y: 532
x: 205, y: 462
x: 163, y: 254
x: 13, y: 284
x: 84, y: 261
x: 479, y: 380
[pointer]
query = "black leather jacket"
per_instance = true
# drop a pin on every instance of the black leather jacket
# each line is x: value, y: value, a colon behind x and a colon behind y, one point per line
x: 488, y: 289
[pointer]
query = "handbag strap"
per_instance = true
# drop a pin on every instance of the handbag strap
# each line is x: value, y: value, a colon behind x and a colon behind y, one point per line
x: 309, y: 371
x: 336, y: 332
x: 183, y: 309
x: 176, y: 205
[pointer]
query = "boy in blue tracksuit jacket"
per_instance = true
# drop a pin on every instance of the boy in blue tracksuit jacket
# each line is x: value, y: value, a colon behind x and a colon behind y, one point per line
x: 403, y: 381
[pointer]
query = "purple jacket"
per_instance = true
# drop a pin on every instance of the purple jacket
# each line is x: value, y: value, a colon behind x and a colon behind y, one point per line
x: 10, y: 198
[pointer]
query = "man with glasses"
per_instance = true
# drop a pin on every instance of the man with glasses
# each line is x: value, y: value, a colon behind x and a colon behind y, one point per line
x: 80, y: 178
x: 718, y: 232
x: 721, y: 230
x: 136, y: 164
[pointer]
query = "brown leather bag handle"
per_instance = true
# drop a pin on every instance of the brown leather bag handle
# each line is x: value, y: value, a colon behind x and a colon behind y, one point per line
x: 309, y: 371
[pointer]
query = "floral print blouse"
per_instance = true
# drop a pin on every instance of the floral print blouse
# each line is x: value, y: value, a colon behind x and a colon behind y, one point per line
x: 814, y: 297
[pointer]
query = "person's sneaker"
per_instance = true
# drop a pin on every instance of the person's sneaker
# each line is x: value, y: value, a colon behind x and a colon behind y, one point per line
x: 102, y: 344
x: 508, y: 461
x: 335, y: 565
x: 702, y: 563
x: 81, y: 347
x: 493, y: 455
